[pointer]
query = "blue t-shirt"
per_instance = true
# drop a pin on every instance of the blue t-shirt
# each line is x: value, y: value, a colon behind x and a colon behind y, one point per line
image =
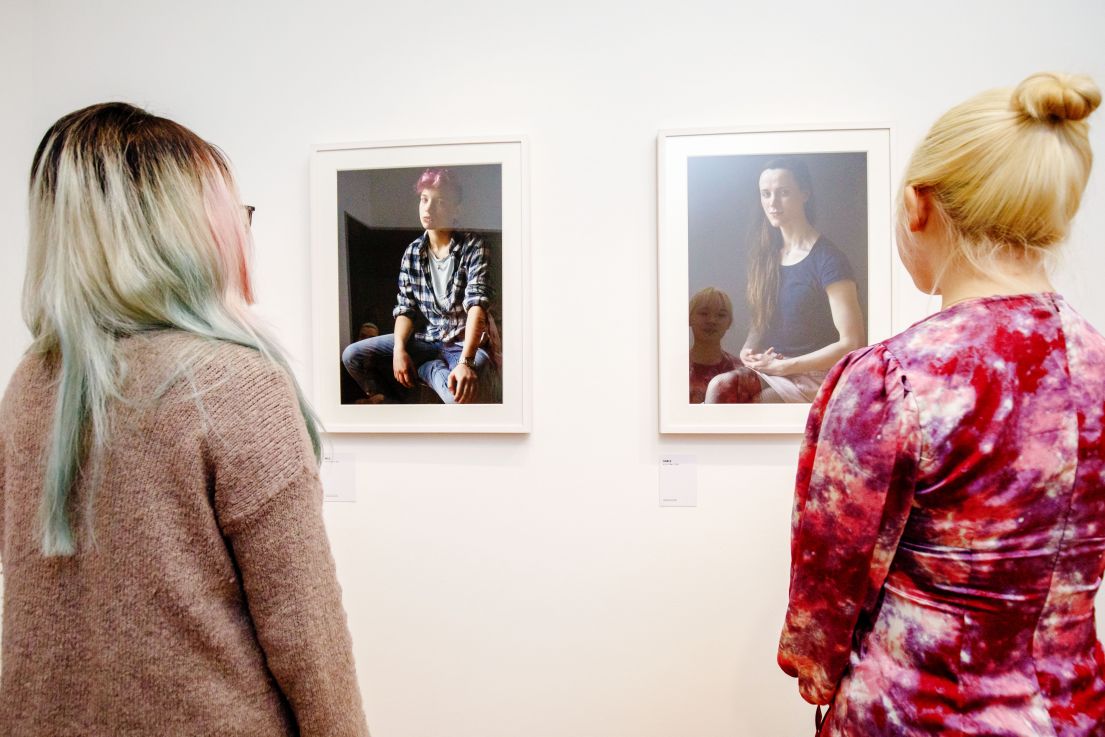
x: 803, y: 321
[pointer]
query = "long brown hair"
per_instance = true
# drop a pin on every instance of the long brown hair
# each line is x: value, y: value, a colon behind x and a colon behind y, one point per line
x: 766, y: 246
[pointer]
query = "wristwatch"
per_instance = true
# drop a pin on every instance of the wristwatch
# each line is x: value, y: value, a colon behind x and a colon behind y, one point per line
x: 469, y: 362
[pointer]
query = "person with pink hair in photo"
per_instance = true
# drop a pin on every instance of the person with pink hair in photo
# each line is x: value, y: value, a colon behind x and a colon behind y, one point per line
x: 442, y: 311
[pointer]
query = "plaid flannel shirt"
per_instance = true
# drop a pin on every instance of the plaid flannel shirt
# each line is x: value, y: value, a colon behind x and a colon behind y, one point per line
x: 470, y: 286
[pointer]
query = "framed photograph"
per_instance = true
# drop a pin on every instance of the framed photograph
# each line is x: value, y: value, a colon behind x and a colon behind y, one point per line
x: 774, y: 262
x: 420, y: 281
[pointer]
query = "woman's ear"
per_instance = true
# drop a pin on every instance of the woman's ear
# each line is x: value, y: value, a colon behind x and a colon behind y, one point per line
x: 918, y: 207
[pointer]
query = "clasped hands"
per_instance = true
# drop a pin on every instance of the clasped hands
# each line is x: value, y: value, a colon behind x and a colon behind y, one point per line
x: 768, y: 362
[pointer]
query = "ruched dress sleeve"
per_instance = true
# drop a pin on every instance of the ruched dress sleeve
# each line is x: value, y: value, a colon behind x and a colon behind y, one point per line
x: 853, y: 493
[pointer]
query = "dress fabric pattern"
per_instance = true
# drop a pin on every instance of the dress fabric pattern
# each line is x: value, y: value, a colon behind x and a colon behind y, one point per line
x: 948, y: 535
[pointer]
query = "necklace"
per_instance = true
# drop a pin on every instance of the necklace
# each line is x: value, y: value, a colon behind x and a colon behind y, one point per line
x: 443, y: 263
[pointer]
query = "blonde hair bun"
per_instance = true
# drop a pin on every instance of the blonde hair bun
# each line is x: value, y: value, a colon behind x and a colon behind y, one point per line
x: 1053, y: 97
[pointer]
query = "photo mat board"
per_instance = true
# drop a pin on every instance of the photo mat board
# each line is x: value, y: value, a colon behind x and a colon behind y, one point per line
x: 710, y: 217
x: 366, y: 223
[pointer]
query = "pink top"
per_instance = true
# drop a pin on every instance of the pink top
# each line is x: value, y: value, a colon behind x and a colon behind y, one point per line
x: 701, y: 375
x: 949, y: 529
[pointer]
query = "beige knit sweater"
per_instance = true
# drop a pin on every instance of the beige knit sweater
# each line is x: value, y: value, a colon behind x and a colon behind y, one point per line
x: 202, y: 599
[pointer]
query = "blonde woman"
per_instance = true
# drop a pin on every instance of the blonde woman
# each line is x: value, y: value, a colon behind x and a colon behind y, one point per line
x: 711, y: 315
x: 947, y: 533
x: 801, y: 295
x: 166, y: 569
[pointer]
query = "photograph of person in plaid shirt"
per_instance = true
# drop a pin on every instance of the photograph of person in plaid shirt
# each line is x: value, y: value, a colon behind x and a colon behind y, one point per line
x: 442, y: 311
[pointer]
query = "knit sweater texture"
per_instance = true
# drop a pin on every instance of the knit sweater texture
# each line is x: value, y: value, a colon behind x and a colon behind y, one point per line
x: 202, y: 599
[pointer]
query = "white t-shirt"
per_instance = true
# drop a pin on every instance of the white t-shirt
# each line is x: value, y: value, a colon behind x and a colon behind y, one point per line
x: 441, y: 274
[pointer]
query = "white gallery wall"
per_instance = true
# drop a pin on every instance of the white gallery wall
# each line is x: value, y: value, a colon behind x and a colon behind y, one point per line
x: 531, y: 586
x: 18, y: 139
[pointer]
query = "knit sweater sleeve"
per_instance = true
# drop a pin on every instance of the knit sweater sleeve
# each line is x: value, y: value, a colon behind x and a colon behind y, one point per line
x: 268, y: 499
x: 5, y: 423
x: 3, y: 474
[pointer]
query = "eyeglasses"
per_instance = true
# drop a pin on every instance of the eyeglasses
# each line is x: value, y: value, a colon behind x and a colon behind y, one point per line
x: 250, y: 209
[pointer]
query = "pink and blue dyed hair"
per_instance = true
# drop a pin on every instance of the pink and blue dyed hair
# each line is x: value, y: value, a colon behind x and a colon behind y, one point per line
x: 136, y: 225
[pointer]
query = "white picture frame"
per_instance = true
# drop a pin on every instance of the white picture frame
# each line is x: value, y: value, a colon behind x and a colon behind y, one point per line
x: 355, y: 182
x: 692, y: 168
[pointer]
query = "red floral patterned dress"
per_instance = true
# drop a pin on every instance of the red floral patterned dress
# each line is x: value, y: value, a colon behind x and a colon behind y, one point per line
x: 949, y: 529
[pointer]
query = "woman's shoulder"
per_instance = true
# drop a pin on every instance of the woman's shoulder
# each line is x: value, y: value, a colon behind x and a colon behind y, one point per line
x: 864, y: 384
x: 172, y: 346
x: 865, y: 375
x: 976, y: 322
x: 30, y: 384
x: 827, y: 259
x: 1078, y: 329
x: 232, y: 391
x: 979, y: 341
x: 873, y: 361
x: 31, y: 365
x: 824, y: 248
x: 179, y: 360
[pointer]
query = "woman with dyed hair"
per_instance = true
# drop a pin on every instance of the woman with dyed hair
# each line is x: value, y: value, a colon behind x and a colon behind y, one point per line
x: 801, y: 295
x: 166, y: 569
x: 947, y: 543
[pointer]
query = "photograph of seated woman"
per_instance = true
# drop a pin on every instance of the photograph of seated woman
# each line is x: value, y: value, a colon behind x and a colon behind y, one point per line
x: 441, y: 336
x: 947, y: 541
x: 711, y: 315
x: 802, y: 298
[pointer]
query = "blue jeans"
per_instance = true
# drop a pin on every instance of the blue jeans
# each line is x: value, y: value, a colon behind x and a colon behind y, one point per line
x: 369, y: 362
